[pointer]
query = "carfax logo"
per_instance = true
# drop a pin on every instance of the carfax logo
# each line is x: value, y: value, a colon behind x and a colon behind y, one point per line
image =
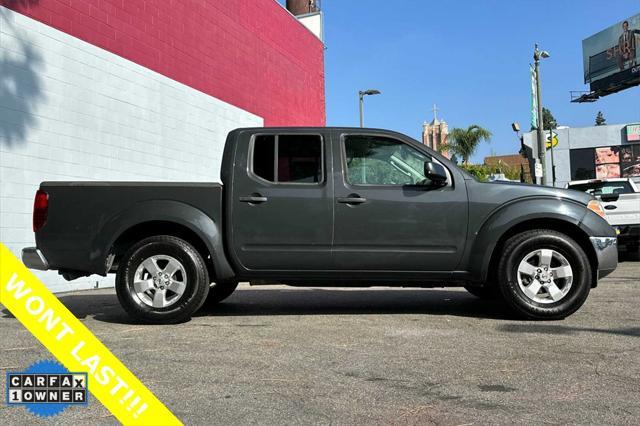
x: 46, y: 388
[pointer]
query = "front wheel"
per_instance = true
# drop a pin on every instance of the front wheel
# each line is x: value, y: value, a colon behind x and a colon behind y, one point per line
x: 544, y: 274
x: 162, y: 280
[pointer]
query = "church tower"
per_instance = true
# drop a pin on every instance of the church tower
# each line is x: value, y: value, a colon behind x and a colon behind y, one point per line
x: 434, y: 134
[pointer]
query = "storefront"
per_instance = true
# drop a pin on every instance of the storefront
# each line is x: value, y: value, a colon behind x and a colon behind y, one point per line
x: 597, y: 152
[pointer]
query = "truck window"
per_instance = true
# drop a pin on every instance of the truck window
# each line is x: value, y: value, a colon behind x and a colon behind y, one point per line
x: 375, y: 160
x: 288, y: 158
x: 603, y: 188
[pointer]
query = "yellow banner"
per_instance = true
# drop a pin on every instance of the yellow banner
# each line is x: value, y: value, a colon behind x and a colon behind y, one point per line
x: 76, y: 347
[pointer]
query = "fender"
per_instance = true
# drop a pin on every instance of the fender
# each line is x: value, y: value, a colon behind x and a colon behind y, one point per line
x: 162, y: 210
x: 508, y: 215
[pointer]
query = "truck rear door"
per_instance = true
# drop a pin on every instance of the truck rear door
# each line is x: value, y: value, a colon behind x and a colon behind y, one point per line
x: 281, y: 202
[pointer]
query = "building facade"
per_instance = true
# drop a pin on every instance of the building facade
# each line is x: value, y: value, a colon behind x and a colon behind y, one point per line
x: 595, y: 152
x: 113, y: 90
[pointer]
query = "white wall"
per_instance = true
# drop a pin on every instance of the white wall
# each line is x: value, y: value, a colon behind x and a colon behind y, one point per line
x: 72, y: 111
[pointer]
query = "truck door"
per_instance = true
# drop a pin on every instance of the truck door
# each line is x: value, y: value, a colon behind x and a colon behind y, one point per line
x: 282, y: 196
x: 386, y: 219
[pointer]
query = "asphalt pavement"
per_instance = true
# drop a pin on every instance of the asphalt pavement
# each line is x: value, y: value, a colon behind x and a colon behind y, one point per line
x: 282, y: 355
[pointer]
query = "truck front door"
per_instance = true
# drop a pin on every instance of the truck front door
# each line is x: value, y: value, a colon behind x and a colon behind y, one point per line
x: 386, y: 218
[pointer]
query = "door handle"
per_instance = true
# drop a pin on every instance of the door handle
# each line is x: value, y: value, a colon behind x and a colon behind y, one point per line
x: 352, y: 199
x: 610, y: 207
x: 253, y: 199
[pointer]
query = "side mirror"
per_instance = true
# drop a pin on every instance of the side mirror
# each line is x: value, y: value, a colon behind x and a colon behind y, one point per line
x: 435, y: 173
x: 607, y: 198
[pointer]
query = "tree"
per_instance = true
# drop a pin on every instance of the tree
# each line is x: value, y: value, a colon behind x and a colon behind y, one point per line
x: 464, y: 142
x: 600, y: 120
x: 548, y: 120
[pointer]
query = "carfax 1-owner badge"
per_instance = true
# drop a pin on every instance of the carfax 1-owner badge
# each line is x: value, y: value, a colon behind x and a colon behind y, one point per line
x: 46, y: 388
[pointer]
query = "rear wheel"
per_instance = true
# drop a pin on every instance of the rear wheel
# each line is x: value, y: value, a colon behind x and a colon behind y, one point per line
x: 544, y: 274
x: 162, y: 280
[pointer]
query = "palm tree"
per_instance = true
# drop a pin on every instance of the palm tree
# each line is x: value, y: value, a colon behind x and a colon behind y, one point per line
x: 464, y: 142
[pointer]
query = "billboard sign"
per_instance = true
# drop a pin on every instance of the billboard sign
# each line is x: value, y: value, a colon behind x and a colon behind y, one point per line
x: 605, y: 162
x: 612, y: 56
x: 633, y: 133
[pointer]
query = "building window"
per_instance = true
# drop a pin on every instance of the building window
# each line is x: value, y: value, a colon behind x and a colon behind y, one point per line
x: 288, y: 158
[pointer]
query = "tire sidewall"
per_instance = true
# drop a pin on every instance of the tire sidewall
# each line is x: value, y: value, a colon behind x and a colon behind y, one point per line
x: 515, y: 253
x: 196, y: 283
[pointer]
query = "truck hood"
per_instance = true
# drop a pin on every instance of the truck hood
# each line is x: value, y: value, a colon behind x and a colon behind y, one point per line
x: 518, y: 190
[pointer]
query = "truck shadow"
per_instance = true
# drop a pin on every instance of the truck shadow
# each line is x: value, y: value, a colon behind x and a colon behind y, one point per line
x: 565, y: 330
x: 308, y: 301
x: 326, y: 301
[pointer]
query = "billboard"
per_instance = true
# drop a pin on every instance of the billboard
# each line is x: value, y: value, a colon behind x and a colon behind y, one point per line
x: 611, y: 58
x: 633, y: 132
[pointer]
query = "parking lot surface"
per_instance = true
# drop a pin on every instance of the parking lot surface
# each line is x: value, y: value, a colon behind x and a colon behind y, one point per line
x: 274, y: 355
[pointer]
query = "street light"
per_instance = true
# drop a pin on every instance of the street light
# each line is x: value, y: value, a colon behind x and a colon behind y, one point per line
x: 361, y: 95
x: 537, y: 54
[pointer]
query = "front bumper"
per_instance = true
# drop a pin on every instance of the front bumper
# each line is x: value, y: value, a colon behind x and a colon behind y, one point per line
x: 607, y: 252
x: 34, y: 259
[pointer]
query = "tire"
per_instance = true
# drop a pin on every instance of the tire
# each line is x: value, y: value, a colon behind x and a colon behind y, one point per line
x: 485, y: 293
x: 219, y: 292
x: 166, y: 299
x: 558, y: 297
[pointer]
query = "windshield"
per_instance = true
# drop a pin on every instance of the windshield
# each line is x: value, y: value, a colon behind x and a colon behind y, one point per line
x: 603, y: 188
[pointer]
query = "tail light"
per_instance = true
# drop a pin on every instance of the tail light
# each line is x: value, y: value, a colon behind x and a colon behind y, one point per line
x: 40, y: 210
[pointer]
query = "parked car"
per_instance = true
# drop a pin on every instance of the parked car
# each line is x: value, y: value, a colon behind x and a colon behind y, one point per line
x: 325, y: 207
x: 620, y: 199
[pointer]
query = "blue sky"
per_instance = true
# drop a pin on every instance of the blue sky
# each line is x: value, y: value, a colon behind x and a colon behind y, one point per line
x: 469, y: 57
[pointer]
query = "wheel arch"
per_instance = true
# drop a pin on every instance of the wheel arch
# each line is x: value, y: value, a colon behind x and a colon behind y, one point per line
x: 163, y: 217
x: 540, y: 212
x: 566, y: 227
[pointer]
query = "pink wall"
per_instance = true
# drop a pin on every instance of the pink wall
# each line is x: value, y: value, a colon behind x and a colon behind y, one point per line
x: 249, y: 53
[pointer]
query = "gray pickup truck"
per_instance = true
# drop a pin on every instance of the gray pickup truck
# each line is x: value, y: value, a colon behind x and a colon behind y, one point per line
x: 325, y: 207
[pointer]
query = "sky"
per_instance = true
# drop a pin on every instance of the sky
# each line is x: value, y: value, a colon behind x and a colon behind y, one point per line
x: 471, y: 58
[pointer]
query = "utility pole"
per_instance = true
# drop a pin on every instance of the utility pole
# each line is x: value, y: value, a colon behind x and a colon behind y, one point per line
x: 361, y: 99
x: 537, y: 54
x: 361, y: 95
x: 553, y: 166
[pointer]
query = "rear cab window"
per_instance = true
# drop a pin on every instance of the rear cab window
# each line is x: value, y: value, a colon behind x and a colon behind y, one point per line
x: 288, y: 159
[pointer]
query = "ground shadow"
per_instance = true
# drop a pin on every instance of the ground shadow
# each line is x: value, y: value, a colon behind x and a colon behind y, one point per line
x: 326, y: 301
x: 276, y: 301
x: 628, y: 256
x: 20, y: 82
x: 559, y: 329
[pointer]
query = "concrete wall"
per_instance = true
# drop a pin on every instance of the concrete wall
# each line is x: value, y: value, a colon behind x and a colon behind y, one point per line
x: 70, y: 110
x: 574, y: 138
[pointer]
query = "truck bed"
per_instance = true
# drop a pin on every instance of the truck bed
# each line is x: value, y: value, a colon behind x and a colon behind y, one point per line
x: 84, y: 218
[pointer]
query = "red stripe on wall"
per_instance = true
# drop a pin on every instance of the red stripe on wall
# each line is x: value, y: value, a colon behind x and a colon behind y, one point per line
x: 250, y: 53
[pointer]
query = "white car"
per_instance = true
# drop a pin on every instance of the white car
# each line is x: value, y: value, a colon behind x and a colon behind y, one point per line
x: 620, y: 199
